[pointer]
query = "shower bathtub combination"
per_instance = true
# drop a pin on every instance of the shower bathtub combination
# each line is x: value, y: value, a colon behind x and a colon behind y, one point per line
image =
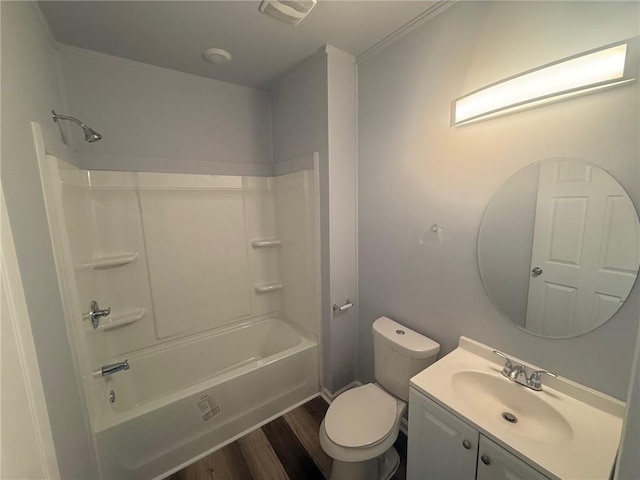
x: 207, y: 287
x: 233, y: 380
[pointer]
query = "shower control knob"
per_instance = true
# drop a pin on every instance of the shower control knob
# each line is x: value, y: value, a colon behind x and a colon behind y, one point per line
x: 466, y: 444
x: 95, y: 314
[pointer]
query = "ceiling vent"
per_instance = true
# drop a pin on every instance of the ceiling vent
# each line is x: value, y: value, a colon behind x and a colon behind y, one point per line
x: 289, y: 11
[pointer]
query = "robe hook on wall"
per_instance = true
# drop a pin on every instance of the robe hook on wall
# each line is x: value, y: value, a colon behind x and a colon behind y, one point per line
x: 434, y: 230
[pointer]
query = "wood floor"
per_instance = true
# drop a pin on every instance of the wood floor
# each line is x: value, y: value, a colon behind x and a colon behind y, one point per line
x: 288, y: 448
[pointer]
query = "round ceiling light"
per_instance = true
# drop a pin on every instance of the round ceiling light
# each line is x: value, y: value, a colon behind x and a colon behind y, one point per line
x: 216, y: 55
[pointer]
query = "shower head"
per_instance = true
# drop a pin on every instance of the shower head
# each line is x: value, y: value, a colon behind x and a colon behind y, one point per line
x: 90, y: 135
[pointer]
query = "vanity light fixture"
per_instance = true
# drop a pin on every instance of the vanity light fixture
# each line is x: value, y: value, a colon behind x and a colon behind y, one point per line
x: 587, y: 72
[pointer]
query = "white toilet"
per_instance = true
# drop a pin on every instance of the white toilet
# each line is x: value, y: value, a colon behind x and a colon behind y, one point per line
x: 362, y: 424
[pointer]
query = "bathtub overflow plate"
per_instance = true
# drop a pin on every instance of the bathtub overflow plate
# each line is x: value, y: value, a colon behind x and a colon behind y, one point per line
x: 400, y: 332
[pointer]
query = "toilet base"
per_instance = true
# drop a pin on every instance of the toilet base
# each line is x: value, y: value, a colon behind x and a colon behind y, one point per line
x: 379, y: 468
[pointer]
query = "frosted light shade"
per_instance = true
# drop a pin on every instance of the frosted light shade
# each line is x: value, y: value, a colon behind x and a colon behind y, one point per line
x: 577, y: 75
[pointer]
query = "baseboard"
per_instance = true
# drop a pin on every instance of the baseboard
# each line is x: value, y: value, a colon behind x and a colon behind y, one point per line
x: 404, y: 426
x: 328, y: 396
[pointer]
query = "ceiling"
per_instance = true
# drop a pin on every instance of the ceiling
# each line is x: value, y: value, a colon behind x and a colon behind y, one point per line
x: 173, y: 34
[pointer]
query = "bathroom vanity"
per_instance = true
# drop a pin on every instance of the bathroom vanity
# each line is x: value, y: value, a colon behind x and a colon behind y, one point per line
x: 468, y: 421
x: 443, y: 445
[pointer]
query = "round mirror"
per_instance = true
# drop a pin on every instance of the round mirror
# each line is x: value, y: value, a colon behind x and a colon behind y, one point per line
x: 559, y: 247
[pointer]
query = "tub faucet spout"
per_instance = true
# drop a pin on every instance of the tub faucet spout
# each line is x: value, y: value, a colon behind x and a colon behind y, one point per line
x: 114, y: 367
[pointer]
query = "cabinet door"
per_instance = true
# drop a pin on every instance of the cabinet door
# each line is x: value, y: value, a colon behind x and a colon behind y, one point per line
x: 495, y: 463
x: 441, y: 446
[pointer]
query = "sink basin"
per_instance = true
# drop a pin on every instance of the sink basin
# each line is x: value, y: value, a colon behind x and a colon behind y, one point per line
x: 565, y: 431
x: 511, y: 407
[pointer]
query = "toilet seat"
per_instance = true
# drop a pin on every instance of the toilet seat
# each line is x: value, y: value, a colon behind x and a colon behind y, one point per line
x: 361, y: 417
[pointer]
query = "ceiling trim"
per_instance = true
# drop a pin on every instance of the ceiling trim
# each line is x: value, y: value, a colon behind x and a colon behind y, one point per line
x: 424, y: 17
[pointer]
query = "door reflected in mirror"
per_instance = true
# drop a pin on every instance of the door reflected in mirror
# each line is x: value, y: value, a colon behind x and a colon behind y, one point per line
x: 559, y: 247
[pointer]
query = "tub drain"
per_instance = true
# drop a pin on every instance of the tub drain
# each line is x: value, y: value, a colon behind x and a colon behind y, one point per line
x: 510, y: 417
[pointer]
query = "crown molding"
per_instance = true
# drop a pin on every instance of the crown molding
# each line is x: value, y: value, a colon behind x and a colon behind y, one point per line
x: 393, y: 37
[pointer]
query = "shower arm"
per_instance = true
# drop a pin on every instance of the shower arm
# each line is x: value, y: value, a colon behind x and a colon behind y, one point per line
x: 90, y: 135
x: 57, y: 116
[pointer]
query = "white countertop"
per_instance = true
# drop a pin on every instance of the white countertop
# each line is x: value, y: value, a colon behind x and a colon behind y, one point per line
x: 578, y: 437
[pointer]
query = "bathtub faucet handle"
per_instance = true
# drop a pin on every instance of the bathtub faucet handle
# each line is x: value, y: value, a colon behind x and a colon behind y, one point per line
x: 95, y: 314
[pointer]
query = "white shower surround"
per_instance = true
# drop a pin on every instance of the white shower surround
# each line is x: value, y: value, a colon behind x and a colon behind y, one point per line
x: 176, y: 307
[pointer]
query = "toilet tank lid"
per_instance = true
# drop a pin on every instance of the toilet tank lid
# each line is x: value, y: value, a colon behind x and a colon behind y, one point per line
x: 404, y: 339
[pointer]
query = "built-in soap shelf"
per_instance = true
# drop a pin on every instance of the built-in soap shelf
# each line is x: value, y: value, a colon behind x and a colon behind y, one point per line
x: 265, y: 243
x: 110, y: 261
x: 121, y: 319
x: 268, y: 287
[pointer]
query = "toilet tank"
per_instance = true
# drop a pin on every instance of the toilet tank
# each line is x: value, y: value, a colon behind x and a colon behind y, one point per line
x: 400, y: 353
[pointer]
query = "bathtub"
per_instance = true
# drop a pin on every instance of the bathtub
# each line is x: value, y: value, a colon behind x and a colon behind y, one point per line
x: 183, y: 401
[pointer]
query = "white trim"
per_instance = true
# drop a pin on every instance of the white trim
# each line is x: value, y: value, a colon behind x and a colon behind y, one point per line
x: 27, y: 360
x: 424, y: 17
x: 404, y: 424
x: 326, y: 396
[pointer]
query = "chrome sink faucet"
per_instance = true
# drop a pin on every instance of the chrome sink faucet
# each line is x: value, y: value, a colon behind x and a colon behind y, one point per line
x: 518, y: 373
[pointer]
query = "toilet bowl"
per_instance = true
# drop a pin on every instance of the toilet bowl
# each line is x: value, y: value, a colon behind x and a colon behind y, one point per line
x: 359, y: 431
x: 362, y: 424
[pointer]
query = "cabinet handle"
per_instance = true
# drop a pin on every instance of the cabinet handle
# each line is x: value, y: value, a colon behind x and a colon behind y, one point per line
x: 485, y: 459
x: 466, y: 444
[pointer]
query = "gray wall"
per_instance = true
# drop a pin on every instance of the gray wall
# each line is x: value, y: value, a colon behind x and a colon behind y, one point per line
x: 158, y: 120
x: 30, y: 89
x: 415, y: 170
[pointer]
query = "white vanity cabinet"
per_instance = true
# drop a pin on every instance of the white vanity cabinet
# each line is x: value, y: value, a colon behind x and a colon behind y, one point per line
x: 444, y: 447
x: 495, y: 463
x: 441, y: 446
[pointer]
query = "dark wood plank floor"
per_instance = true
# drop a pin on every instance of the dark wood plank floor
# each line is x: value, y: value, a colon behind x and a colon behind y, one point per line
x: 288, y: 448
